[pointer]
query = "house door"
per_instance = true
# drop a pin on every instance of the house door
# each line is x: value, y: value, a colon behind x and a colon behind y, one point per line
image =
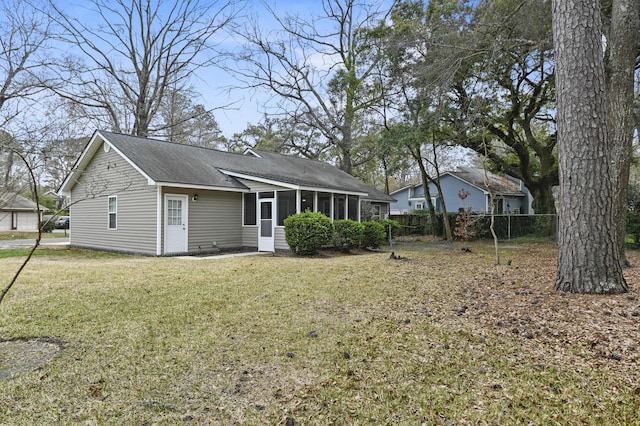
x: 175, y: 224
x: 266, y: 222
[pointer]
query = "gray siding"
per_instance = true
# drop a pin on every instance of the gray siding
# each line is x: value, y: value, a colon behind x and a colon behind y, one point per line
x: 281, y: 242
x: 216, y: 216
x: 250, y: 236
x: 107, y: 175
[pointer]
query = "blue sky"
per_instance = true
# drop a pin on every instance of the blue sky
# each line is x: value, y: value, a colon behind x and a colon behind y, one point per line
x: 234, y: 108
x: 246, y: 106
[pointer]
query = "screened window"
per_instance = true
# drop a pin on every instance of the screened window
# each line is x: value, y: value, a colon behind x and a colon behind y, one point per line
x: 339, y: 206
x: 113, y: 212
x: 306, y: 201
x: 353, y: 207
x: 376, y: 211
x: 250, y: 209
x: 324, y: 203
x: 286, y: 205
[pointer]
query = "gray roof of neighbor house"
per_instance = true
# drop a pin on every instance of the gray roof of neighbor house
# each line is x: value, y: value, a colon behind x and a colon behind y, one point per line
x: 172, y: 163
x: 500, y: 185
x: 13, y: 201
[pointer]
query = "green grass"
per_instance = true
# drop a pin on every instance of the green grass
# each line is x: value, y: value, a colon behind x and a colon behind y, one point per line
x: 255, y: 340
x: 19, y: 235
x: 57, y: 252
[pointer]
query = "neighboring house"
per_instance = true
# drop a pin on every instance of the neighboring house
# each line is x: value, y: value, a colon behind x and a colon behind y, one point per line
x: 510, y: 194
x: 18, y: 213
x: 151, y: 197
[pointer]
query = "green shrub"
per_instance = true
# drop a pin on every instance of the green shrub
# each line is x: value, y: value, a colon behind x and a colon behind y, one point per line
x: 48, y: 225
x: 390, y: 226
x: 307, y: 232
x: 374, y: 235
x: 633, y: 226
x: 349, y: 234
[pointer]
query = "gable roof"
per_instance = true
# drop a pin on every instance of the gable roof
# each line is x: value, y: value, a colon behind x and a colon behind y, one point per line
x: 170, y: 163
x: 500, y: 185
x: 16, y: 202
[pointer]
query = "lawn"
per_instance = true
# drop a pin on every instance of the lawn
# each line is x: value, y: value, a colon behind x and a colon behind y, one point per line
x: 20, y: 235
x: 439, y: 337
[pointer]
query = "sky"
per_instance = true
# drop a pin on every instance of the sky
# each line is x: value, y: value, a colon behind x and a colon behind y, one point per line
x: 245, y: 106
x: 234, y: 108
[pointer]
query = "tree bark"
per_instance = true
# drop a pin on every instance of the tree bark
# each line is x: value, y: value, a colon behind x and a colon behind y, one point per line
x: 588, y: 257
x: 622, y: 50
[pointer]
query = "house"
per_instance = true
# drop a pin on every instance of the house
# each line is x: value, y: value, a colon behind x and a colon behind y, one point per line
x: 152, y: 197
x: 18, y: 213
x: 510, y: 194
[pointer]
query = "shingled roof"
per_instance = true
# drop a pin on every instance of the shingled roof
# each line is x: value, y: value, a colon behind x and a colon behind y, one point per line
x: 171, y: 163
x: 500, y: 185
x: 16, y: 202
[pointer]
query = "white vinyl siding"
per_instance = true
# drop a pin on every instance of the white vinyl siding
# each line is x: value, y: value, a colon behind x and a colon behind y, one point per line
x: 26, y: 220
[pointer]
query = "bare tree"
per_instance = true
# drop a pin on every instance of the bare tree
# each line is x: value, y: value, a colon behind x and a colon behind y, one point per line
x: 24, y: 35
x: 189, y: 123
x: 12, y: 281
x: 588, y: 254
x: 322, y: 69
x: 134, y: 51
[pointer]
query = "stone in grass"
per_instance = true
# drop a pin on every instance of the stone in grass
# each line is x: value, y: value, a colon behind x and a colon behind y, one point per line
x: 346, y: 355
x: 289, y: 421
x: 290, y: 354
x: 313, y: 334
x: 616, y: 356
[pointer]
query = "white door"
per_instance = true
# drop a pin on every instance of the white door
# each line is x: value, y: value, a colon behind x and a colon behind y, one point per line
x: 266, y: 223
x: 175, y: 224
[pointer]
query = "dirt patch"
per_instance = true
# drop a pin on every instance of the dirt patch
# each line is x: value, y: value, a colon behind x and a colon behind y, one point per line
x: 21, y: 355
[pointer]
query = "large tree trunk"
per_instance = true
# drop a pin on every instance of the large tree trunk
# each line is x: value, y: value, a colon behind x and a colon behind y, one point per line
x: 622, y: 46
x: 588, y: 257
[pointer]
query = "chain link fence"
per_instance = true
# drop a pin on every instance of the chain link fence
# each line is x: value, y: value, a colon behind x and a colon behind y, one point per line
x: 506, y: 226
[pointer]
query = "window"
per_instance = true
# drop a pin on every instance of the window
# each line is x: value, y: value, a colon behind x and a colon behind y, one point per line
x: 250, y: 209
x: 286, y: 205
x: 339, y: 204
x: 376, y: 211
x: 419, y: 206
x: 353, y: 207
x: 113, y: 212
x: 324, y: 203
x: 306, y: 201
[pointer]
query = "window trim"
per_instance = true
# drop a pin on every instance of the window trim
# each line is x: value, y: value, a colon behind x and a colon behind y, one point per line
x: 114, y: 213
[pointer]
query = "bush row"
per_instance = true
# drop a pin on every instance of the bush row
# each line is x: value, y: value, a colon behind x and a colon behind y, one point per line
x: 307, y: 232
